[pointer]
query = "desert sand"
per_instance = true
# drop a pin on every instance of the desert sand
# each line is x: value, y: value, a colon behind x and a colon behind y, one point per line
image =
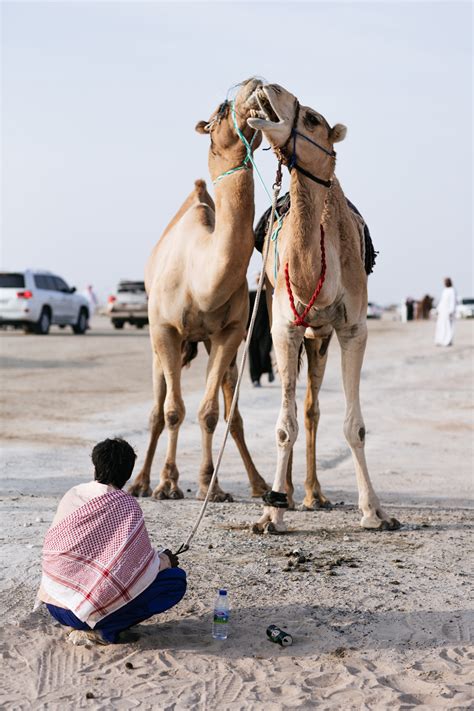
x: 379, y: 620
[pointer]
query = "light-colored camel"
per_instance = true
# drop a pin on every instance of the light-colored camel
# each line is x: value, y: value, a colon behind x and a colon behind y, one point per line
x: 197, y: 291
x: 303, y: 139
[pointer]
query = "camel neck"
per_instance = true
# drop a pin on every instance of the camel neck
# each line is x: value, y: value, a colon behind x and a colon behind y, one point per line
x: 306, y: 212
x: 233, y: 232
x: 303, y: 251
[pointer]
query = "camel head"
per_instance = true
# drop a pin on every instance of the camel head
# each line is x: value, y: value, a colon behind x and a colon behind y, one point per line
x: 226, y: 144
x: 282, y: 119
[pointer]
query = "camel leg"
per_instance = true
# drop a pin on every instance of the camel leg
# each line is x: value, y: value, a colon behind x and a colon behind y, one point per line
x: 352, y: 355
x: 317, y: 355
x: 289, y: 488
x: 257, y: 484
x: 168, y: 344
x: 286, y: 341
x: 223, y: 347
x: 141, y: 485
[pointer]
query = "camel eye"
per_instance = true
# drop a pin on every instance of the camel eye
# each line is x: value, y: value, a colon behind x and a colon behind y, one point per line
x: 312, y: 119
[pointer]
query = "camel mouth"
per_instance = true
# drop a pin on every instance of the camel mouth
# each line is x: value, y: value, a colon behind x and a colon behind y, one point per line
x: 264, y: 113
x: 267, y: 110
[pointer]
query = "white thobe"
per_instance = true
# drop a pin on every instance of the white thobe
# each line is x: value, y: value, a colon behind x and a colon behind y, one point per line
x: 445, y: 322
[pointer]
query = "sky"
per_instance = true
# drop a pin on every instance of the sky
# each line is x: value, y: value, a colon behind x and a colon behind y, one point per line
x: 100, y: 100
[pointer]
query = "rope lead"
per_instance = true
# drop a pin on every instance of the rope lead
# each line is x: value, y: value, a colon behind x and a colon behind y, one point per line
x: 276, y: 191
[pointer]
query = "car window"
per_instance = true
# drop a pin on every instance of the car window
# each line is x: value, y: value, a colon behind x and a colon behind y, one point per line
x: 131, y: 287
x: 60, y: 284
x: 12, y: 281
x: 467, y: 302
x: 44, y: 281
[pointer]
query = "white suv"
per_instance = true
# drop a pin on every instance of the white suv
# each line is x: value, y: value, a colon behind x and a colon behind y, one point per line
x: 129, y: 304
x: 34, y: 300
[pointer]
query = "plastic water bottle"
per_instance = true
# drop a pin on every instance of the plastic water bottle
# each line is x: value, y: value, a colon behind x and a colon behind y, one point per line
x: 220, y: 625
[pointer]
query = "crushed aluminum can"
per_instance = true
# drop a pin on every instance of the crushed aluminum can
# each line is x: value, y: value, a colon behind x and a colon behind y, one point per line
x: 279, y: 636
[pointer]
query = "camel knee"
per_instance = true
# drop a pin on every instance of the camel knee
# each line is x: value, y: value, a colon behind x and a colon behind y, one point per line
x: 354, y: 432
x: 209, y: 417
x: 286, y: 435
x: 311, y: 417
x: 237, y: 424
x: 174, y: 417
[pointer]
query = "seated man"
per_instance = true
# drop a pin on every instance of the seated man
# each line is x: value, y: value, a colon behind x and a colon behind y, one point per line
x: 100, y: 573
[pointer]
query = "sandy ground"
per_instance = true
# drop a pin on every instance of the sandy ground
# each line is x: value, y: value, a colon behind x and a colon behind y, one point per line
x: 380, y: 620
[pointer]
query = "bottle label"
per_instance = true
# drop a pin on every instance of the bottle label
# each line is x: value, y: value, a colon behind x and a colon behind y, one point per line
x: 221, y: 617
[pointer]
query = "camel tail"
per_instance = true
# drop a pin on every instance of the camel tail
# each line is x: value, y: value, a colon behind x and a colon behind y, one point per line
x: 189, y: 351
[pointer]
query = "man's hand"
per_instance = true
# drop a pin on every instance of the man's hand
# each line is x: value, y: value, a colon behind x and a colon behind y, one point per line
x: 173, y: 559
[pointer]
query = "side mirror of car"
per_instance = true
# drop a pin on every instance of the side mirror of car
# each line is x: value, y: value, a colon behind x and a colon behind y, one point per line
x: 72, y: 289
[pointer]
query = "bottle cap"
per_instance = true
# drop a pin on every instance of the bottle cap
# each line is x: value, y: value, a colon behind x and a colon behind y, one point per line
x: 222, y: 592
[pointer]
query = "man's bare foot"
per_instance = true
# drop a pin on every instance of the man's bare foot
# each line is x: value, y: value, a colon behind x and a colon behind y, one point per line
x: 83, y: 637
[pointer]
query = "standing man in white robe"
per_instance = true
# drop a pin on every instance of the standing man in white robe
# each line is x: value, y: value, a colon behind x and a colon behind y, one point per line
x: 446, y: 313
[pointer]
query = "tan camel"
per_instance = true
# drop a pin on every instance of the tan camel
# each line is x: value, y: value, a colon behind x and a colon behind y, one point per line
x: 197, y: 288
x: 303, y: 139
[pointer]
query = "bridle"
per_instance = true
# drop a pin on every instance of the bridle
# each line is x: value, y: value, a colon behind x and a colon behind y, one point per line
x: 301, y: 319
x: 291, y: 162
x: 247, y: 162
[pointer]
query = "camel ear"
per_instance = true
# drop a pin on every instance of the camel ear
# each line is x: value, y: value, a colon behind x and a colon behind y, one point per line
x: 202, y: 127
x: 337, y: 133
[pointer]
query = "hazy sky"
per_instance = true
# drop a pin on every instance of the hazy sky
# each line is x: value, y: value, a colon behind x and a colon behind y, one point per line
x: 100, y: 102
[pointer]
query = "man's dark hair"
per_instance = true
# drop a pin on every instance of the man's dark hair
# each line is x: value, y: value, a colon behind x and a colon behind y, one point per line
x: 448, y: 282
x: 113, y: 461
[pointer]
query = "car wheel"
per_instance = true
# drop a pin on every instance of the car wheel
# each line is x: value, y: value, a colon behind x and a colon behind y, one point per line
x: 44, y: 322
x: 118, y: 324
x: 80, y: 326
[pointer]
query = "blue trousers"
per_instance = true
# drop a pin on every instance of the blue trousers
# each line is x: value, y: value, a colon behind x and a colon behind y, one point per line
x: 166, y: 590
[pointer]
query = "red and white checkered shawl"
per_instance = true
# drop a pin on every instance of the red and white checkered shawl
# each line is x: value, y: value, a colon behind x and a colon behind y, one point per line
x: 99, y: 557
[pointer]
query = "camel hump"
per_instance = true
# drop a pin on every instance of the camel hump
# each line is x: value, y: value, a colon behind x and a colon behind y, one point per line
x: 200, y: 192
x: 200, y: 188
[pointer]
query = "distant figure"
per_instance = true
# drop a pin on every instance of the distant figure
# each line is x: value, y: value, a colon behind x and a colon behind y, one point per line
x: 426, y: 306
x: 410, y: 308
x: 91, y: 298
x: 446, y: 312
x: 260, y: 342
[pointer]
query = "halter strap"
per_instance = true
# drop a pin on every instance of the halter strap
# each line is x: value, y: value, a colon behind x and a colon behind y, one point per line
x: 320, y: 181
x: 292, y: 162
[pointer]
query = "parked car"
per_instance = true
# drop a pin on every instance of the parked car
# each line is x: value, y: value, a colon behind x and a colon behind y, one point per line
x: 374, y: 311
x: 465, y: 308
x: 129, y: 304
x: 35, y: 300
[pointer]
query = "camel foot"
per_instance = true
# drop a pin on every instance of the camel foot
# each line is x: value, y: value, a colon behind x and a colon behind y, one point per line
x: 218, y: 496
x: 138, y: 488
x: 316, y: 503
x: 167, y: 490
x: 379, y: 521
x: 271, y: 521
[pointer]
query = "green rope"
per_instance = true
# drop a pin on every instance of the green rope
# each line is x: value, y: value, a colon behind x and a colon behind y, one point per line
x: 244, y: 165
